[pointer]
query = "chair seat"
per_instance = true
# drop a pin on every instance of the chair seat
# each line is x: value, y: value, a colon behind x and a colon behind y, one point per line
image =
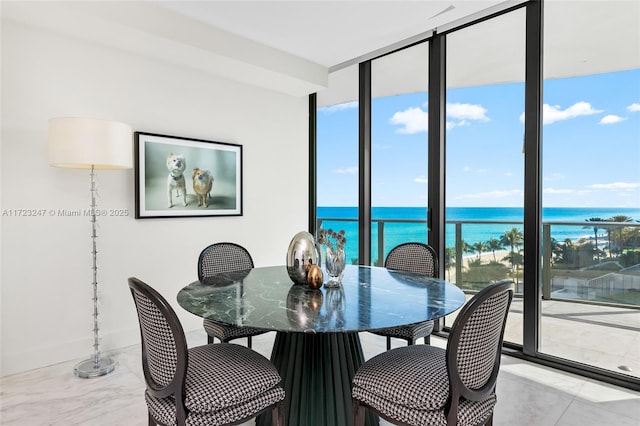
x: 411, y: 332
x: 410, y: 385
x: 226, y: 332
x: 224, y: 383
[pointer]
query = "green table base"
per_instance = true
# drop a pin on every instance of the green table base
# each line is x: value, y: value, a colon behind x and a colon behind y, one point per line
x: 316, y: 370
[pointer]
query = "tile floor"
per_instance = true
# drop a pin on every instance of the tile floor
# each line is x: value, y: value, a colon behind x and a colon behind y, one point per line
x: 528, y: 394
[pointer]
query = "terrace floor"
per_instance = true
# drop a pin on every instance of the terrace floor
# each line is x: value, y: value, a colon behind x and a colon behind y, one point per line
x: 602, y: 336
x: 528, y: 394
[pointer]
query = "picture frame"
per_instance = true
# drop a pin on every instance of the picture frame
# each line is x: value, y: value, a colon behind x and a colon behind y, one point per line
x: 186, y: 177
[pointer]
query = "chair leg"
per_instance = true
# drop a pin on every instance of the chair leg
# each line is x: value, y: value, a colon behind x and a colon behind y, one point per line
x: 277, y: 415
x: 209, y: 339
x: 358, y: 413
x: 427, y: 339
x: 152, y: 422
x: 388, y: 343
x: 489, y: 421
x: 249, y: 342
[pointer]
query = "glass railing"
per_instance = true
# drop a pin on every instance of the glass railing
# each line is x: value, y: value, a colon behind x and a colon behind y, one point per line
x: 578, y: 264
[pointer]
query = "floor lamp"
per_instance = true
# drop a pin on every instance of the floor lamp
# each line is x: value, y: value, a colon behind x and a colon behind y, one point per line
x: 85, y: 143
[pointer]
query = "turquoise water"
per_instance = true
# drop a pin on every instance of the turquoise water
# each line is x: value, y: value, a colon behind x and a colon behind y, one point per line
x: 396, y: 233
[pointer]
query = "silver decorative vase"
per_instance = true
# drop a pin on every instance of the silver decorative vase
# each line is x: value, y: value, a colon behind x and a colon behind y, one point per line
x: 303, y: 252
x: 334, y: 262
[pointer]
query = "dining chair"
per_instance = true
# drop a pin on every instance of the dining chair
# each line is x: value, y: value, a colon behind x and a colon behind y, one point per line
x: 213, y: 384
x: 417, y: 258
x: 218, y: 258
x: 426, y: 385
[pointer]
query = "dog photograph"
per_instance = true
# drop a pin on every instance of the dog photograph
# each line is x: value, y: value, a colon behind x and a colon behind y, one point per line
x: 185, y: 177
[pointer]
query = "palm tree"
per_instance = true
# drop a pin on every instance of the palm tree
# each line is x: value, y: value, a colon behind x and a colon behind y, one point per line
x: 466, y: 248
x: 595, y: 232
x: 494, y: 244
x: 513, y: 238
x: 623, y: 219
x: 516, y: 260
x: 449, y: 259
x: 479, y: 248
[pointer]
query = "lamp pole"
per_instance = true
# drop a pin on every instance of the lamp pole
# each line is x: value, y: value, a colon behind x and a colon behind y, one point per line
x: 95, y: 366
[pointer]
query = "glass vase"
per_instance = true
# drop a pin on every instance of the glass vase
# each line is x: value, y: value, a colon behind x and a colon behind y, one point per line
x: 334, y: 262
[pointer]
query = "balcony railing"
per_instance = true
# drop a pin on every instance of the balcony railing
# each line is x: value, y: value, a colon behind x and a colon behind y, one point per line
x: 573, y: 269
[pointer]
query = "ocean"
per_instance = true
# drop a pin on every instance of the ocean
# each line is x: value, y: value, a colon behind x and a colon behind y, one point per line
x: 508, y: 217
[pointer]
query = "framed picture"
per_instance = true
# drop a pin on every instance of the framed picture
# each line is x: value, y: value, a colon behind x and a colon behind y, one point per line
x: 184, y: 177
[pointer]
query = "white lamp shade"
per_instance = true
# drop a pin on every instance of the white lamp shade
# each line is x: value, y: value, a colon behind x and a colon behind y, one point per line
x: 80, y: 143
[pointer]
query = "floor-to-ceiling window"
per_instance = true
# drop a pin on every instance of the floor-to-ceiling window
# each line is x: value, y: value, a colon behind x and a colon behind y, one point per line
x: 485, y: 72
x: 399, y: 149
x: 591, y: 186
x: 580, y: 309
x: 337, y: 158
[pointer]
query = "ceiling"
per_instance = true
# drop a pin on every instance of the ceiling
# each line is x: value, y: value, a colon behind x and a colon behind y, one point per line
x: 302, y: 47
x: 329, y: 33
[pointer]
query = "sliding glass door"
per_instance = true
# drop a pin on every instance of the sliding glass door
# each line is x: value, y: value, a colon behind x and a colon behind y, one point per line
x: 485, y: 73
x: 399, y: 118
x: 337, y: 158
x: 591, y: 186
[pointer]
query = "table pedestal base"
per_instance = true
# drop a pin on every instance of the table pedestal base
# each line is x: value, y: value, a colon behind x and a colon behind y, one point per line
x: 316, y: 371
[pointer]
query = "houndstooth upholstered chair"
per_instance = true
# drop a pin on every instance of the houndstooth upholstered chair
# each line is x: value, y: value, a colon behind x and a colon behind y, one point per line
x: 213, y: 384
x: 418, y: 258
x: 426, y: 385
x: 218, y: 258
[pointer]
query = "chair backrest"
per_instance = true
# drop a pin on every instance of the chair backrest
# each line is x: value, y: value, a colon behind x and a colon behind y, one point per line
x: 223, y: 257
x: 164, y: 346
x: 413, y: 257
x: 475, y: 343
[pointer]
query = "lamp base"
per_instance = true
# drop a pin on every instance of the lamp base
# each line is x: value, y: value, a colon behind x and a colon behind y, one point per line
x: 90, y: 368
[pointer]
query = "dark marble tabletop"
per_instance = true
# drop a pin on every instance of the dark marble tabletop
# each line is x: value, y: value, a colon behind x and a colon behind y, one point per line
x: 369, y: 298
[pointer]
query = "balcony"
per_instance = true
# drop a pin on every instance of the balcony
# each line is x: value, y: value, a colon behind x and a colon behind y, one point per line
x: 590, y: 285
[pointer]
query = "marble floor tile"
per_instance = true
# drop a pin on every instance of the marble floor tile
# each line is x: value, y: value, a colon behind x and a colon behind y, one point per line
x: 528, y: 394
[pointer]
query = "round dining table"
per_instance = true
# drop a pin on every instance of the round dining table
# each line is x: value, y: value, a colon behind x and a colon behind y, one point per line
x: 317, y: 349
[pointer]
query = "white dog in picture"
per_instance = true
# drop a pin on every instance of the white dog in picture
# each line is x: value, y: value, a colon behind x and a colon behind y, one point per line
x: 175, y: 181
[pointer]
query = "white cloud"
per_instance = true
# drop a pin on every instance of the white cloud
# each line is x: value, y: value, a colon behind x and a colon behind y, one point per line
x: 460, y: 111
x: 611, y: 119
x: 381, y: 147
x: 553, y: 177
x: 634, y: 107
x: 413, y: 120
x: 616, y: 185
x: 420, y: 179
x: 339, y: 107
x: 558, y: 191
x: 553, y: 113
x: 468, y: 169
x: 347, y: 170
x: 498, y: 193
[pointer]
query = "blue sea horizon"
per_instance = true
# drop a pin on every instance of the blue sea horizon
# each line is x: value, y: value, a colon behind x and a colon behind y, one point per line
x: 508, y: 217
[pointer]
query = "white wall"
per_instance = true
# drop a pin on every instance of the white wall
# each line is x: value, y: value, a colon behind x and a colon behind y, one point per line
x: 46, y: 261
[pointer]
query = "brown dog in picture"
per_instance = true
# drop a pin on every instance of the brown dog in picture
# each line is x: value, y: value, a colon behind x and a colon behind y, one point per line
x: 202, y: 183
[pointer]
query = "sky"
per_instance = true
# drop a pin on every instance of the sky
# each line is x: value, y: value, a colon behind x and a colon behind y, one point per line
x: 590, y: 146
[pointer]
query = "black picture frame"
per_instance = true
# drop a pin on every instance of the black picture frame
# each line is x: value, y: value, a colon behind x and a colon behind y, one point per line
x: 158, y: 189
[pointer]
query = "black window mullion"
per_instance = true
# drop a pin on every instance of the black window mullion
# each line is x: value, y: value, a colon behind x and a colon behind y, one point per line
x: 364, y: 164
x: 532, y: 187
x: 313, y: 166
x: 436, y: 147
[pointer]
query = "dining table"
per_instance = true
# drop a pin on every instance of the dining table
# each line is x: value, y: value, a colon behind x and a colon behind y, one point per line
x: 317, y: 347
